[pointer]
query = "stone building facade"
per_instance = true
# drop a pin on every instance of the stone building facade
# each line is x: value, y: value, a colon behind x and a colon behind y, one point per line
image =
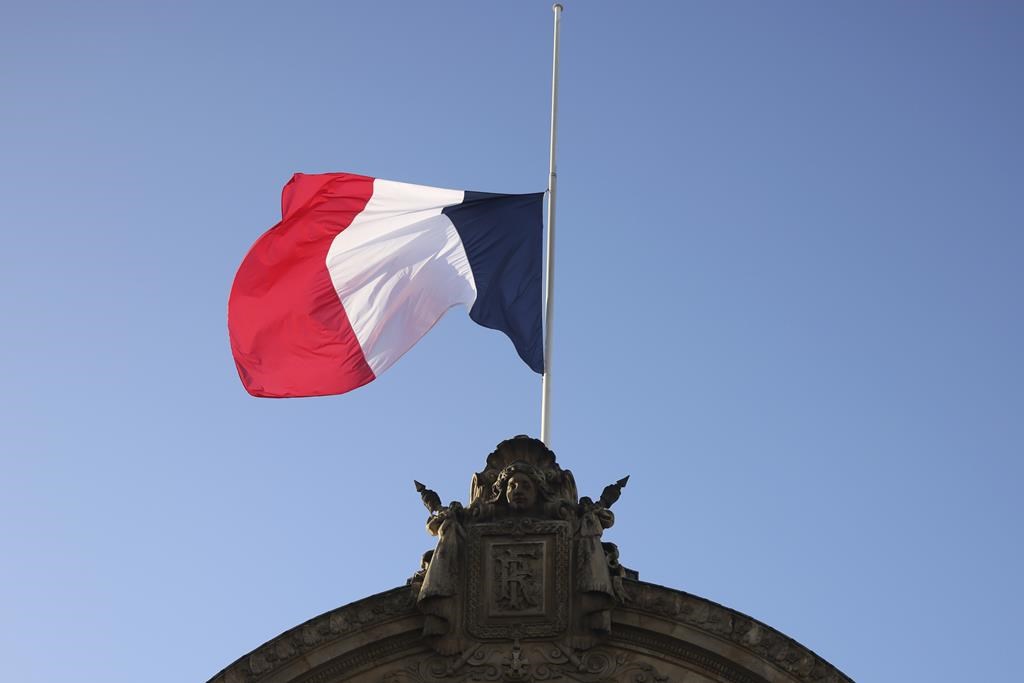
x: 522, y: 588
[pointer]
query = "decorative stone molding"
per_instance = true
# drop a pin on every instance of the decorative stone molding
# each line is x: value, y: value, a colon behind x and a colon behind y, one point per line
x: 332, y: 626
x: 524, y: 558
x: 521, y: 588
x: 534, y: 546
x: 761, y: 640
x: 530, y: 664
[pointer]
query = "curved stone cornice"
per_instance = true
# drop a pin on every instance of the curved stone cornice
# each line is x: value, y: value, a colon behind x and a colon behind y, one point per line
x: 372, y: 638
x: 356, y: 624
x: 750, y: 636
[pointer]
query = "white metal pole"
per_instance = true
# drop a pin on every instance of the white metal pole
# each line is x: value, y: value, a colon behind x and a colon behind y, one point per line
x: 549, y: 268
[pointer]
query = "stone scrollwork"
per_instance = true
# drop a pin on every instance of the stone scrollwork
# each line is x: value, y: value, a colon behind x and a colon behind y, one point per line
x: 524, y: 559
x: 527, y: 664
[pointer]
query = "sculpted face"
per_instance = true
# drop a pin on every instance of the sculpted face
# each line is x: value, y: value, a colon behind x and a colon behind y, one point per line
x: 521, y: 492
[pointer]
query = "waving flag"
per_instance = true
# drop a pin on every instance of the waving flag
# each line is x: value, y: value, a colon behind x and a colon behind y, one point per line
x: 360, y: 268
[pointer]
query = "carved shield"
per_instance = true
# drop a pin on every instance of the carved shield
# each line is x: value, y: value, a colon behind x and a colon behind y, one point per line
x: 519, y: 580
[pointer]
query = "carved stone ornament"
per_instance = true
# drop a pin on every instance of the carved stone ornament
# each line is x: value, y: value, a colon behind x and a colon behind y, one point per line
x: 514, y: 663
x: 522, y: 588
x: 524, y: 560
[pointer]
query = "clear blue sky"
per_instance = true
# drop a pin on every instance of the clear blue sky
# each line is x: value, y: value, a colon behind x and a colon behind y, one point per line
x: 789, y: 286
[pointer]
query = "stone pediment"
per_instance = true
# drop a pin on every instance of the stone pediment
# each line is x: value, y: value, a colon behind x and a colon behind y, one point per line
x: 522, y: 588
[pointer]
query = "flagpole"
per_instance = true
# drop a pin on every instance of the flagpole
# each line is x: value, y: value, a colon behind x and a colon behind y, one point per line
x: 549, y: 268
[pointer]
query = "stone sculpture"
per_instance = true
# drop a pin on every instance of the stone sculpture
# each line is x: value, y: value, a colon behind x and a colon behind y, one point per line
x: 521, y: 587
x: 523, y: 560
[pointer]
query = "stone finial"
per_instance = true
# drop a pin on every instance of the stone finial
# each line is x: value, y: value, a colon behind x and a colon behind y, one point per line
x: 611, y: 493
x: 430, y: 499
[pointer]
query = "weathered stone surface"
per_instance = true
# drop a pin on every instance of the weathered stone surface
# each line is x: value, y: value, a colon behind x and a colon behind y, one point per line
x: 523, y: 559
x: 522, y: 589
x: 682, y: 637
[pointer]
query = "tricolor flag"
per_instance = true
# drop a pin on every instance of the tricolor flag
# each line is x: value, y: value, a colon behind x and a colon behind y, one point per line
x: 360, y: 268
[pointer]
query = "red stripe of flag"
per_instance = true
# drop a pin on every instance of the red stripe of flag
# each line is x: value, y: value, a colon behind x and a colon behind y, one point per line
x: 289, y: 333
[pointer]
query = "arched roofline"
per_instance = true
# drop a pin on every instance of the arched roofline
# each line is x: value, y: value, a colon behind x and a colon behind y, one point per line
x: 660, y: 622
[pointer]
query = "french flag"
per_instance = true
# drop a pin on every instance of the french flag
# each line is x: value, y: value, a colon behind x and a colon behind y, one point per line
x: 360, y: 268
